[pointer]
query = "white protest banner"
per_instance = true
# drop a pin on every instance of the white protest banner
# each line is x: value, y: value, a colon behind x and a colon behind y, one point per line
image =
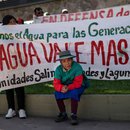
x: 28, y: 53
x: 111, y: 12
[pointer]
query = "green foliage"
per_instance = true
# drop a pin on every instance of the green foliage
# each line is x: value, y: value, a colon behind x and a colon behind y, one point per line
x: 96, y: 87
x: 41, y: 88
x: 109, y: 87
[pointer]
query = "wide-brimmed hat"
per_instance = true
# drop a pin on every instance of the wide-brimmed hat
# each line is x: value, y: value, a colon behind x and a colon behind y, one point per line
x: 64, y: 10
x: 64, y: 55
x: 46, y: 14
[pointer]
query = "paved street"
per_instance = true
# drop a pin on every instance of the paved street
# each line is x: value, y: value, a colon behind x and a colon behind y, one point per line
x: 41, y: 123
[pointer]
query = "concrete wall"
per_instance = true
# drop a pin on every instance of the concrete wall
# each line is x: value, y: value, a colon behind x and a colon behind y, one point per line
x: 92, y: 107
x: 55, y: 7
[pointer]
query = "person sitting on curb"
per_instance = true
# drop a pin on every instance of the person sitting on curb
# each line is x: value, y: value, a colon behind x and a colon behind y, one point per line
x: 69, y: 82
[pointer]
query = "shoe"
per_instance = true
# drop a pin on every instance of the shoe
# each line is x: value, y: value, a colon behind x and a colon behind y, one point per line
x: 11, y: 113
x: 74, y: 119
x: 22, y: 114
x: 61, y: 117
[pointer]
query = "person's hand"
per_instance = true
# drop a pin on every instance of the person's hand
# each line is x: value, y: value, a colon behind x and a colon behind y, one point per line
x: 64, y: 89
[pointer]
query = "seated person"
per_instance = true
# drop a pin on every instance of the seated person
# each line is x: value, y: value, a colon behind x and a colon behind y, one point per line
x: 69, y: 82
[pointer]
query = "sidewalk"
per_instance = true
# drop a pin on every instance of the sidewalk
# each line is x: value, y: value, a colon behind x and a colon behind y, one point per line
x: 41, y: 123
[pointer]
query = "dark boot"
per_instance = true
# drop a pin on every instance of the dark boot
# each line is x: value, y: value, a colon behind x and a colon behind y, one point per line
x: 74, y: 119
x: 61, y: 117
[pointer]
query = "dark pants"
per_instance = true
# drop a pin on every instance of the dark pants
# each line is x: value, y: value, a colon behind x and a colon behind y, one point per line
x: 61, y: 105
x: 20, y: 95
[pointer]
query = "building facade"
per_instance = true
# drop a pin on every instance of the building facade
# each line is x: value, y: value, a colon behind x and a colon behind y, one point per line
x: 24, y: 8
